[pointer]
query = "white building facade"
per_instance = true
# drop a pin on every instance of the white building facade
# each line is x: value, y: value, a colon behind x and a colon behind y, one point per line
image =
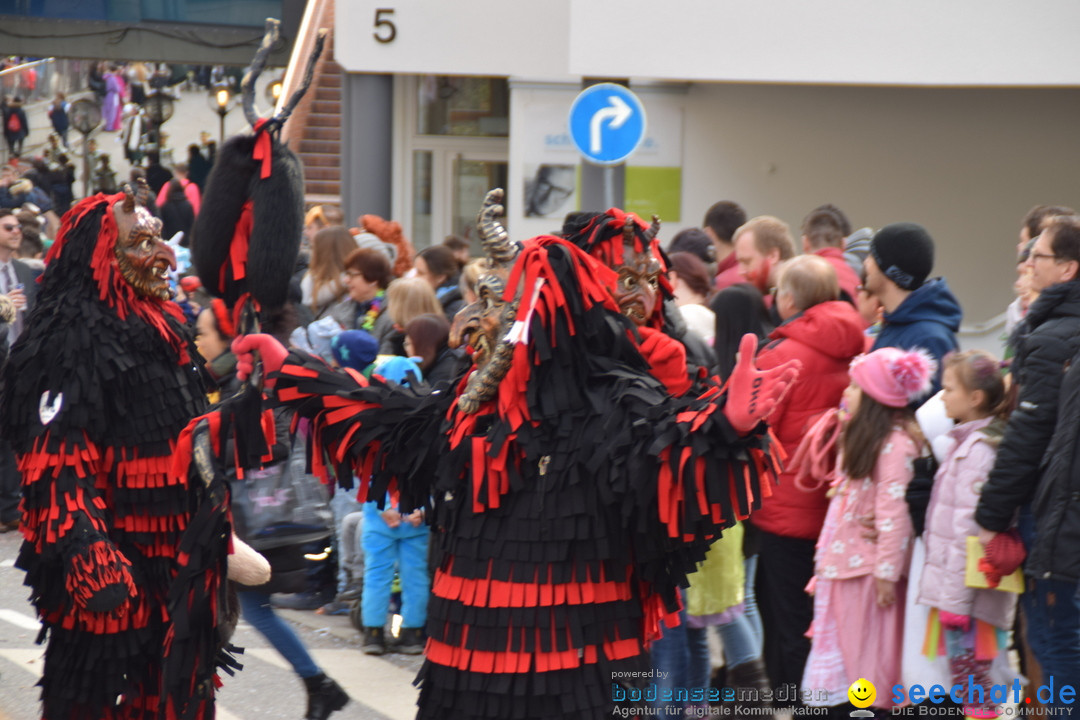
x: 958, y: 115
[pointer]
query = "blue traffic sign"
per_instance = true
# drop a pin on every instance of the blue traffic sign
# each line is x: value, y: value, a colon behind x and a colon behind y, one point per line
x: 607, y: 123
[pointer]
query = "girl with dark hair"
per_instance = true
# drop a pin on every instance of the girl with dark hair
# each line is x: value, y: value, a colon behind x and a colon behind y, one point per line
x: 739, y: 309
x: 691, y: 284
x: 864, y: 548
x: 436, y: 265
x: 975, y: 395
x: 426, y: 338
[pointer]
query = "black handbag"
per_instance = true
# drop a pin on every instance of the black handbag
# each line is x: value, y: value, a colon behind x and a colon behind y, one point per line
x: 281, y: 504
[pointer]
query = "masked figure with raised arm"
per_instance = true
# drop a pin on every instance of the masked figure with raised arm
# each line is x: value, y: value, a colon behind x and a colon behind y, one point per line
x: 569, y: 490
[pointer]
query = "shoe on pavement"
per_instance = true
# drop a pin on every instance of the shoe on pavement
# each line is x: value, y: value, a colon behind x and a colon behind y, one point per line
x: 10, y: 526
x: 374, y: 641
x: 324, y: 697
x: 411, y: 641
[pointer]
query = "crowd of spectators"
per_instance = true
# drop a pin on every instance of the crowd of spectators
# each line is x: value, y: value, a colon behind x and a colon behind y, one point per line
x: 840, y: 548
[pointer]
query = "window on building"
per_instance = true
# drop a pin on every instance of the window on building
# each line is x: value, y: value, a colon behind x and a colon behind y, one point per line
x: 463, y: 106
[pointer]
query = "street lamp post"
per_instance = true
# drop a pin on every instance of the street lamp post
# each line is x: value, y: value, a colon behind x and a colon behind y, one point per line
x: 159, y: 108
x: 273, y: 92
x: 85, y: 115
x: 221, y: 100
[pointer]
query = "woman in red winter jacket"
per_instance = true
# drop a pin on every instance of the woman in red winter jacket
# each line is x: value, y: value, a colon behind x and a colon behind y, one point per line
x: 824, y: 334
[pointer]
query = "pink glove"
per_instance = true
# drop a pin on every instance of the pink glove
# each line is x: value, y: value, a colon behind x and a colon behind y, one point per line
x: 752, y: 393
x: 954, y: 621
x: 271, y: 352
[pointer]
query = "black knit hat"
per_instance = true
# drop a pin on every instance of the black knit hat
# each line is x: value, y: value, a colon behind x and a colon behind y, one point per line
x: 695, y: 242
x: 905, y: 253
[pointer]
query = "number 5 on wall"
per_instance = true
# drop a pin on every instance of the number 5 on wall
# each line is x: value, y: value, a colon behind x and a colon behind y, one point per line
x: 385, y: 31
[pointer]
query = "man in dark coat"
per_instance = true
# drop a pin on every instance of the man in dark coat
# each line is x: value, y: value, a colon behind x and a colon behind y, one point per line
x: 919, y: 312
x: 17, y: 283
x: 1047, y: 342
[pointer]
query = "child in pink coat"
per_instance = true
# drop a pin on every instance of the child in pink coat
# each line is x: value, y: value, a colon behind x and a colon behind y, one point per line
x: 971, y: 622
x: 865, y: 544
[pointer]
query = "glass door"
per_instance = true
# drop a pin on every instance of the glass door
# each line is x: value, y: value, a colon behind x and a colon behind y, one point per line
x: 456, y: 150
x: 471, y: 180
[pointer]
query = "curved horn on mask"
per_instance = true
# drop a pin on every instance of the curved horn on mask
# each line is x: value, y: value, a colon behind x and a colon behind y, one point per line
x: 628, y: 227
x: 247, y: 85
x: 654, y: 228
x: 142, y: 191
x: 309, y: 73
x: 493, y: 236
x: 129, y: 199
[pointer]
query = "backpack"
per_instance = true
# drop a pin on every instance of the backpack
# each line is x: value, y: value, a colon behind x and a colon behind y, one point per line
x: 14, y: 124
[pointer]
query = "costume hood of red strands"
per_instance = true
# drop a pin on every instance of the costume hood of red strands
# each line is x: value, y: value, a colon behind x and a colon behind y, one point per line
x: 76, y: 250
x: 604, y: 238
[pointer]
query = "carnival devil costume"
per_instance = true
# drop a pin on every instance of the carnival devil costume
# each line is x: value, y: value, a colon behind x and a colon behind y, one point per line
x: 97, y: 389
x: 571, y: 492
x: 642, y: 291
x: 125, y: 505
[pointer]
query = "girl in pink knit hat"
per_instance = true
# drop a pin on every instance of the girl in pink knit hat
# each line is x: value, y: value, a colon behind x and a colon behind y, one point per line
x: 865, y: 544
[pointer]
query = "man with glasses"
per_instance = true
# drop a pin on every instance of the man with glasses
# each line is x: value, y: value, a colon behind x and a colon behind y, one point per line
x: 18, y: 283
x: 1034, y: 477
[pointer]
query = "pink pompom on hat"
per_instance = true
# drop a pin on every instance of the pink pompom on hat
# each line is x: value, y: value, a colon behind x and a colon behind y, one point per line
x: 894, y: 377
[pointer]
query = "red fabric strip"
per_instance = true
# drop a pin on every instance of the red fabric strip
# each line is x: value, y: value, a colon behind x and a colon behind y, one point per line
x: 262, y: 149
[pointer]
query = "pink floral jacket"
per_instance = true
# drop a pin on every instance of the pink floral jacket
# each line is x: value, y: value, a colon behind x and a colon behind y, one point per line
x: 842, y: 551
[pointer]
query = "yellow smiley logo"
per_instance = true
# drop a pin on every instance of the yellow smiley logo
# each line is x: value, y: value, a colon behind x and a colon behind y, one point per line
x: 862, y: 693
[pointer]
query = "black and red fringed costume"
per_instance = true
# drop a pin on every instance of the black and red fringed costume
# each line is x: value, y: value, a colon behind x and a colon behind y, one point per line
x: 568, y: 504
x: 97, y: 389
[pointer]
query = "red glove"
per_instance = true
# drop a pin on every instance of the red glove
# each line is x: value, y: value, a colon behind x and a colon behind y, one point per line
x: 667, y: 356
x: 271, y: 352
x: 954, y: 621
x: 752, y: 393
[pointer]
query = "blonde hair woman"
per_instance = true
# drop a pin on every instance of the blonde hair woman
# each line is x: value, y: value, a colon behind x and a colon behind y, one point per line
x: 470, y: 275
x: 409, y: 298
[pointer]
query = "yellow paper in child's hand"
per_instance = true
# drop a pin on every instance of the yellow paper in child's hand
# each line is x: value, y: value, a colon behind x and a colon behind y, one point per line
x: 975, y: 578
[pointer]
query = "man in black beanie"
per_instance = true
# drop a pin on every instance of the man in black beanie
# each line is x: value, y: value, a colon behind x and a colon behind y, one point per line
x: 918, y: 312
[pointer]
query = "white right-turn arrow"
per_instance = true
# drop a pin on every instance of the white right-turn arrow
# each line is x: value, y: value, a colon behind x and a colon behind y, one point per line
x: 617, y: 112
